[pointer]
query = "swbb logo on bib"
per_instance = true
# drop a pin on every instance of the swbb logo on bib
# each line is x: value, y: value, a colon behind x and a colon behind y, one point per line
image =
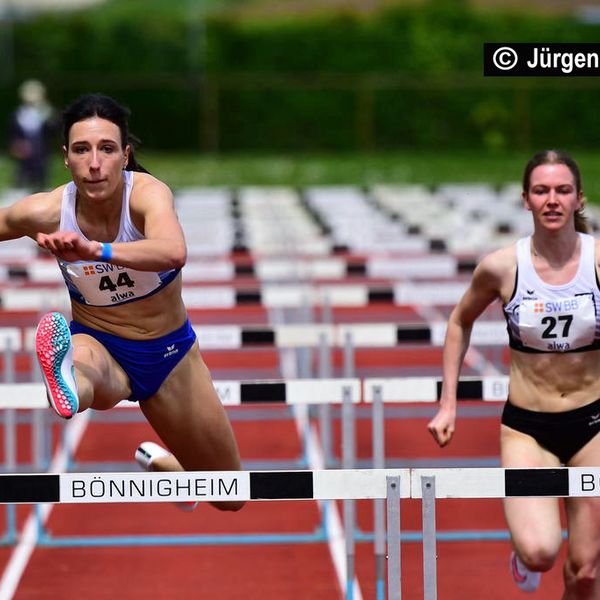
x: 558, y: 325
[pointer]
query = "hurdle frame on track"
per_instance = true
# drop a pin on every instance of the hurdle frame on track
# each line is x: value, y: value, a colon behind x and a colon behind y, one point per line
x: 119, y: 487
x: 380, y: 391
x: 345, y: 484
x: 346, y: 391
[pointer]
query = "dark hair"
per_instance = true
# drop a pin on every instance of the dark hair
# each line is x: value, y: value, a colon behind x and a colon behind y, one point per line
x: 557, y: 157
x: 99, y: 105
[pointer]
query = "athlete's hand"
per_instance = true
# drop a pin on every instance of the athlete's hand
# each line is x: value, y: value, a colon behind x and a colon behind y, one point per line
x: 69, y: 246
x: 441, y: 426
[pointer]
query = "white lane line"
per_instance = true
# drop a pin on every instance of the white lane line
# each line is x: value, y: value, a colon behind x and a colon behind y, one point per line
x: 27, y: 541
x: 335, y: 529
x: 333, y: 523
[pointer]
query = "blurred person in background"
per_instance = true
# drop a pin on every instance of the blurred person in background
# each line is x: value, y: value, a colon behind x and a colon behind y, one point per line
x: 548, y: 284
x: 30, y: 128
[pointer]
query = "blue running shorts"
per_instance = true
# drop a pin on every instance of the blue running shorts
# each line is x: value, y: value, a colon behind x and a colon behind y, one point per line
x: 147, y: 363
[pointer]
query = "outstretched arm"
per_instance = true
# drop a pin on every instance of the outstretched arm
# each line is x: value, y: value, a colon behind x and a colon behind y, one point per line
x: 30, y: 215
x: 164, y: 247
x: 484, y: 289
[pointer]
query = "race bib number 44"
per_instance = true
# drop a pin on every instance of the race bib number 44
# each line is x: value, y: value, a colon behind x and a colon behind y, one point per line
x: 558, y: 325
x: 103, y: 284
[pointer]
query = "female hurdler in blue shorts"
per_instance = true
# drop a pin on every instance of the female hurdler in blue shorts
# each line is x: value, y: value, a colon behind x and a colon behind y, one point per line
x: 120, y: 248
x: 548, y: 285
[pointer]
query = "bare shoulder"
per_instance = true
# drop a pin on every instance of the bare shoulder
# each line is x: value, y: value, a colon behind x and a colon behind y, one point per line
x: 148, y: 190
x: 36, y: 213
x: 497, y: 271
x: 499, y: 261
x: 597, y: 254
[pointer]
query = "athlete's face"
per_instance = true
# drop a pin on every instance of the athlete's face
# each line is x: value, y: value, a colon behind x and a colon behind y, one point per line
x: 96, y: 158
x: 552, y: 196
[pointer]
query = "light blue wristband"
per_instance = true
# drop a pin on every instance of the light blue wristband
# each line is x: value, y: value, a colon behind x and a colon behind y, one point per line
x: 106, y: 252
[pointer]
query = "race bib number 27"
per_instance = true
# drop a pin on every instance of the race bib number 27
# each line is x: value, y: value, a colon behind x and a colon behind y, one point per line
x: 558, y: 325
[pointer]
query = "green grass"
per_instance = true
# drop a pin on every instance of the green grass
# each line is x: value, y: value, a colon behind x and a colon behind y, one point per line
x: 358, y: 169
x: 180, y: 170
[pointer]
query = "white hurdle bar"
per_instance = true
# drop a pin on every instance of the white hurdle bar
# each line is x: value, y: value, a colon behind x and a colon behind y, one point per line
x: 303, y: 335
x: 344, y: 391
x: 201, y: 486
x: 268, y: 295
x: 376, y: 335
x: 419, y: 266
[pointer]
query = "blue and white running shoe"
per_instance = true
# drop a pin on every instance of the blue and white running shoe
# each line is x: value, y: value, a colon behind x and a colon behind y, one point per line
x: 528, y: 581
x: 55, y: 354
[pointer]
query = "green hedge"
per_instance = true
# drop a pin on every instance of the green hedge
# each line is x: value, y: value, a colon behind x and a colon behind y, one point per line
x: 409, y: 77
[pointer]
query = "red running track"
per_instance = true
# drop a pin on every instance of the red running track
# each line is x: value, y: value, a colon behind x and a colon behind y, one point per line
x: 287, y: 571
x: 290, y: 571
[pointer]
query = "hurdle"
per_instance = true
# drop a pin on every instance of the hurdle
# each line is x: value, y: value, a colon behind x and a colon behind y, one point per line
x: 345, y: 391
x: 432, y: 484
x: 210, y: 486
x: 380, y: 391
x: 345, y: 484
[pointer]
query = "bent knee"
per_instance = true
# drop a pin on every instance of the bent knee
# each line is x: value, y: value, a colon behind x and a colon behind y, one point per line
x: 539, y: 558
x: 229, y: 506
x: 538, y: 548
x: 581, y: 573
x: 88, y: 359
x: 84, y: 353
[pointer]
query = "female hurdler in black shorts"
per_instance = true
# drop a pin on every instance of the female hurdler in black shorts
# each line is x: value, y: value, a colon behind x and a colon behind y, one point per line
x: 548, y: 285
x: 120, y: 248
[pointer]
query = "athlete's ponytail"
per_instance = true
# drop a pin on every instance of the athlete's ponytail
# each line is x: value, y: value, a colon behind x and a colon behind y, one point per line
x: 132, y: 163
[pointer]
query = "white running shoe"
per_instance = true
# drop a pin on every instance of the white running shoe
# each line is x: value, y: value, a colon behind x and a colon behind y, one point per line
x: 528, y: 581
x: 146, y: 454
x: 55, y: 354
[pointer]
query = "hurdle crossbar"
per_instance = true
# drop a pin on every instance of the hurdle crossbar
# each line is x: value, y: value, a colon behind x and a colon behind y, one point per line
x: 208, y: 486
x: 333, y: 484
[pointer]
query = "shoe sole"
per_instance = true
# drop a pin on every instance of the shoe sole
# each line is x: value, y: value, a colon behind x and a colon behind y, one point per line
x: 144, y: 456
x: 55, y: 355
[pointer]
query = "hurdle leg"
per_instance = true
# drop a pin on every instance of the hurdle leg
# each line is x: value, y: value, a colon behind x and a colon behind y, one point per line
x: 10, y: 442
x: 40, y: 451
x: 393, y: 537
x: 10, y: 414
x: 302, y: 413
x: 348, y: 455
x: 324, y: 410
x: 379, y: 463
x: 429, y: 542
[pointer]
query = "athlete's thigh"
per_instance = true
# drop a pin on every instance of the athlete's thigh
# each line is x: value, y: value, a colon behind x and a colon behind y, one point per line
x: 188, y: 416
x: 534, y: 523
x: 583, y: 514
x: 101, y: 381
